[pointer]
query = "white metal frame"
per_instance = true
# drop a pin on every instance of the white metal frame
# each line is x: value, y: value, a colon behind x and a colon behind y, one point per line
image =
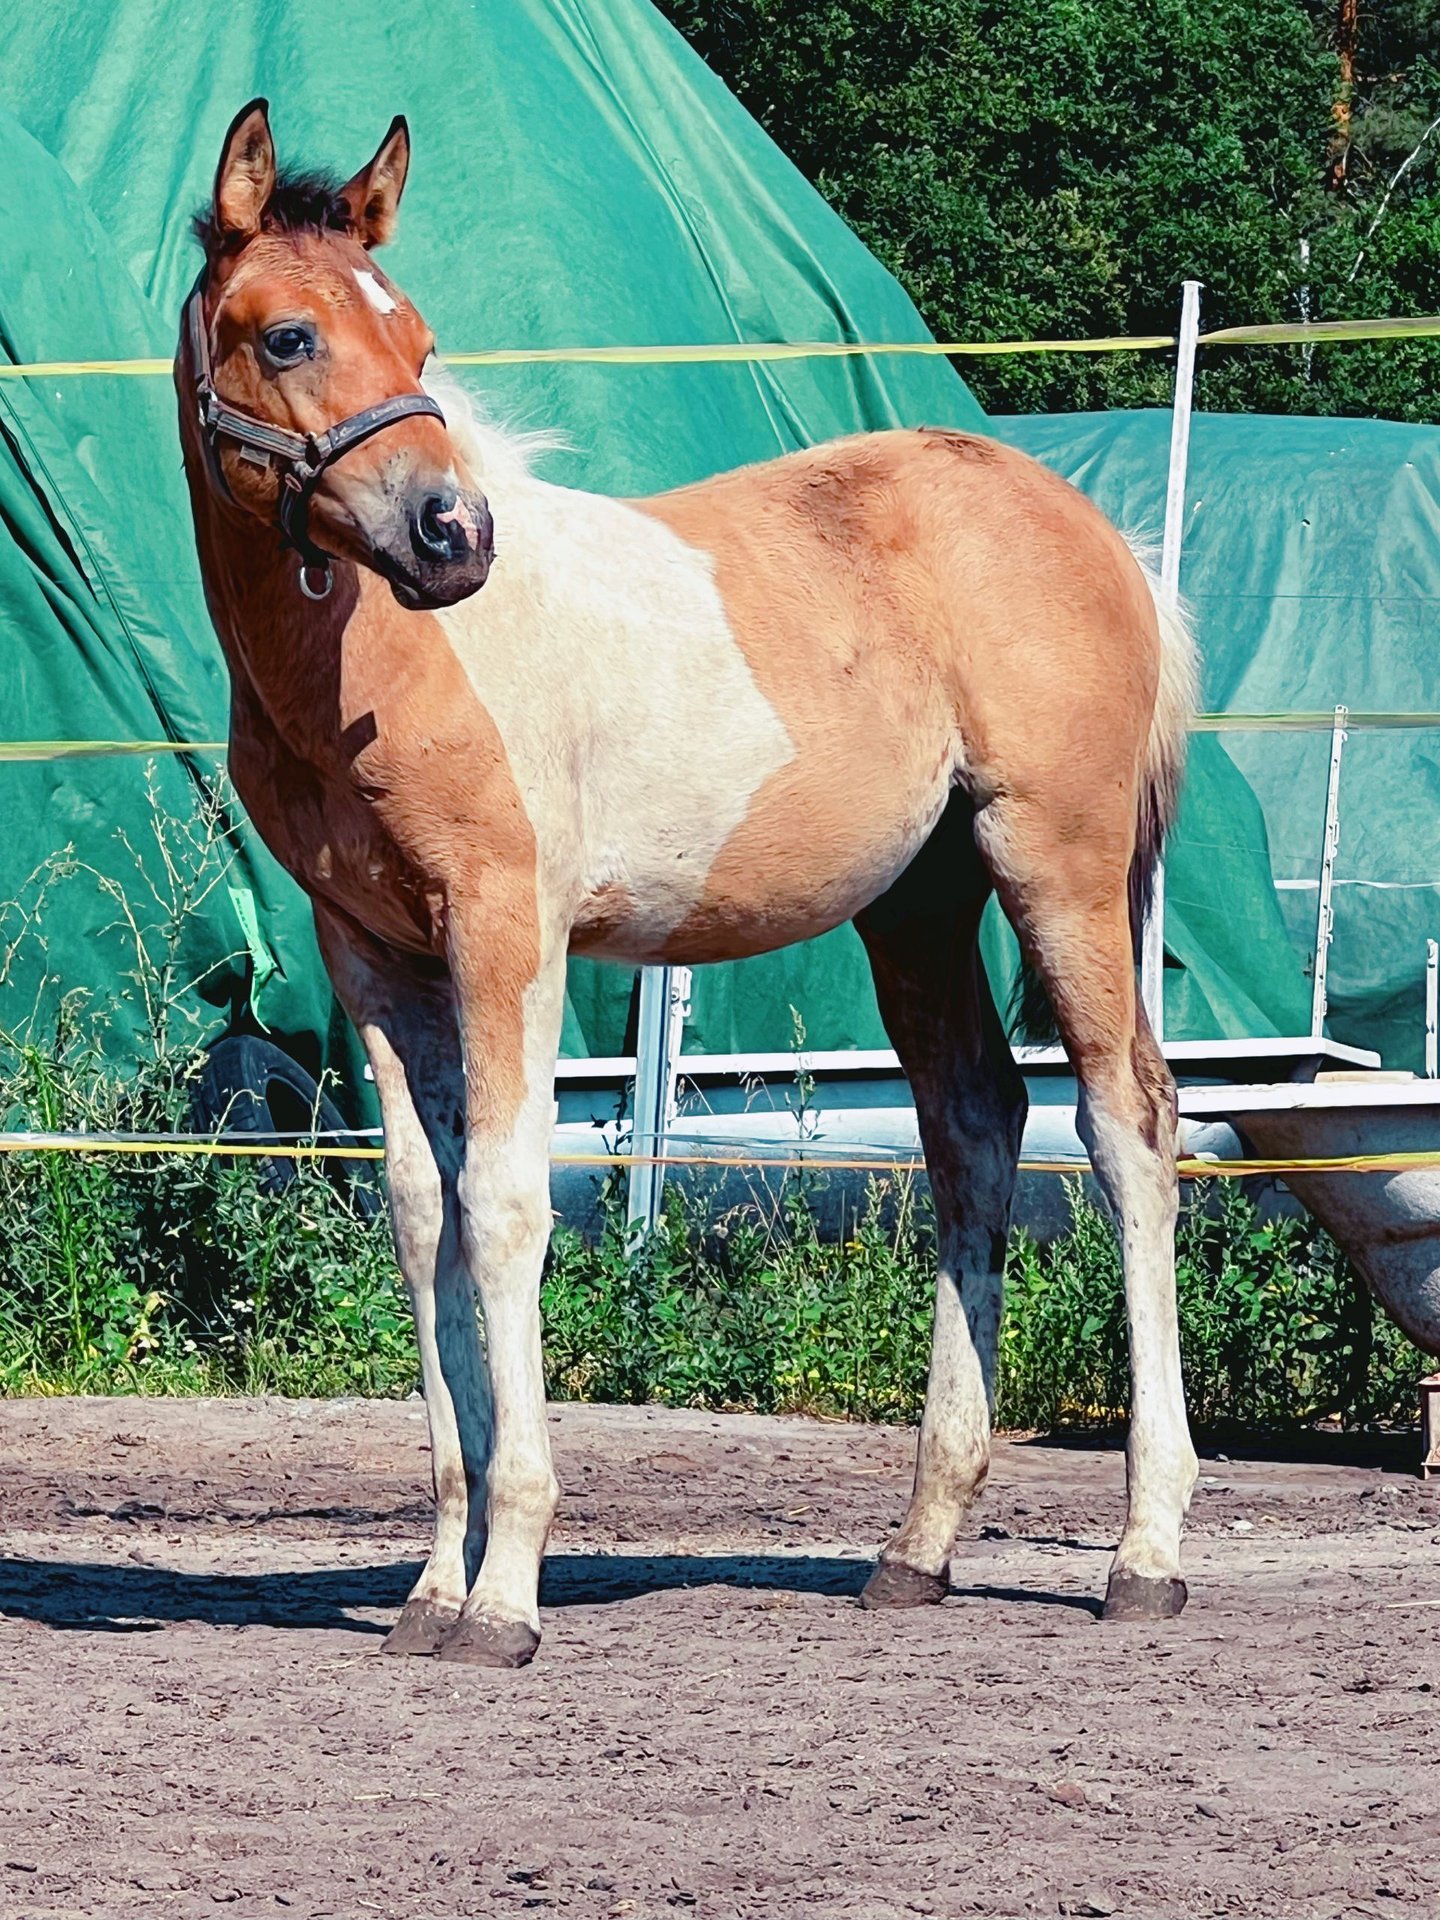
x: 660, y: 1030
x: 1325, y: 911
x: 856, y: 1062
x: 1152, y: 938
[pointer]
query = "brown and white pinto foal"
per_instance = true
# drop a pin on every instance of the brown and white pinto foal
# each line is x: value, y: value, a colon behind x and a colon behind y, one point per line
x: 873, y: 681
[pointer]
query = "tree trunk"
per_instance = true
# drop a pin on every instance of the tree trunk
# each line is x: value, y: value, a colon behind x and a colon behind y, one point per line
x: 1347, y: 34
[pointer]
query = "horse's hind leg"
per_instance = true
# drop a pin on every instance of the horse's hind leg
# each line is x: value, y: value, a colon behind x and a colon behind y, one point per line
x: 1061, y: 874
x: 970, y: 1101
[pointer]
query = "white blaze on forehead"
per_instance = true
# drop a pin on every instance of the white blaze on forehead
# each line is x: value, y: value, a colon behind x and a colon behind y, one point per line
x: 380, y: 298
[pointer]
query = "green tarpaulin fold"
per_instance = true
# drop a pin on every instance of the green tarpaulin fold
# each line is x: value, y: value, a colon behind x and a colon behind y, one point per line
x: 581, y: 178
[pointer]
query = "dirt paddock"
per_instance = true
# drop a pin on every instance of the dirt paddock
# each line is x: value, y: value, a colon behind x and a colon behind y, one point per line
x: 193, y: 1716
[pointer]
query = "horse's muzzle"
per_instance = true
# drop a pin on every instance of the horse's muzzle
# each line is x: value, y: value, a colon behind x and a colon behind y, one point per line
x: 447, y: 553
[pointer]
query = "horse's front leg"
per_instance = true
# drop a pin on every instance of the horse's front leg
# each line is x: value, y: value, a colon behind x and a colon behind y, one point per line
x: 406, y: 1016
x: 511, y: 1029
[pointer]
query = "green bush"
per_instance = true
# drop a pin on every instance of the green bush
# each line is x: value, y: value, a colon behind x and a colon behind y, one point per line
x: 182, y: 1274
x: 1275, y: 1329
x: 756, y: 1310
x: 750, y: 1310
x: 123, y: 1273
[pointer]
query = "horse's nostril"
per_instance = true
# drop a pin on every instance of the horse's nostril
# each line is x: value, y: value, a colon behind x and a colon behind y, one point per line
x: 438, y: 531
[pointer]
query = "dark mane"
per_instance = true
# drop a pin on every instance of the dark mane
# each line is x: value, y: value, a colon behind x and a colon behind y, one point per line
x: 301, y: 203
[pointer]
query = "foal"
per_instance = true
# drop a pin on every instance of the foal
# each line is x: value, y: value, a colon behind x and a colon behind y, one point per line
x: 872, y: 680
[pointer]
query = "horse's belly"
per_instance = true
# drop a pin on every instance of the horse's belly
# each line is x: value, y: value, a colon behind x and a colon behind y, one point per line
x: 784, y: 874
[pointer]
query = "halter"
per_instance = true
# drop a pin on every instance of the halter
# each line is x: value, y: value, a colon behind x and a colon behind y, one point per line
x: 302, y: 457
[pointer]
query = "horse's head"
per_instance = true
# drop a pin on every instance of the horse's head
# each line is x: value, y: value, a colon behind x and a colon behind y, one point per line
x: 306, y: 361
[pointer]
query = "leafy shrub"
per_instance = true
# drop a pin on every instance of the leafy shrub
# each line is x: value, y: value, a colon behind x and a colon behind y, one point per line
x: 154, y: 1274
x: 750, y: 1310
x: 181, y: 1274
x: 1275, y: 1328
x: 1051, y: 169
x: 746, y: 1312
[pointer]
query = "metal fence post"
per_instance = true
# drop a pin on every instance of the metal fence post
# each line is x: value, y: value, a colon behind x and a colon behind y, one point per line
x: 1325, y: 913
x: 660, y: 1028
x: 1152, y: 938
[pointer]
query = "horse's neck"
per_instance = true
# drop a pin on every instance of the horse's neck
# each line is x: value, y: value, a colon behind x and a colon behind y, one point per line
x: 283, y: 651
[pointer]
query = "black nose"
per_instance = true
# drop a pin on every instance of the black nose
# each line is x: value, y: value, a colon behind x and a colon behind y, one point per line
x: 438, y: 530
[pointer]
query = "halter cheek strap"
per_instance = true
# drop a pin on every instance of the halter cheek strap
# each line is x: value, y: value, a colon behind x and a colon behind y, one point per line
x: 301, y: 458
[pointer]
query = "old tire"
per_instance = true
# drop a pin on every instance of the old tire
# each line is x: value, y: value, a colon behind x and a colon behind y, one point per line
x: 249, y: 1086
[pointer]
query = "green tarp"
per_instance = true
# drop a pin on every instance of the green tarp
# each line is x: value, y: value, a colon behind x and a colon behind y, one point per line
x: 579, y: 177
x: 1312, y: 562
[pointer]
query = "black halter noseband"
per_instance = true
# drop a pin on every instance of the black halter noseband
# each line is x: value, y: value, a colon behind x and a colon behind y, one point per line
x: 301, y: 457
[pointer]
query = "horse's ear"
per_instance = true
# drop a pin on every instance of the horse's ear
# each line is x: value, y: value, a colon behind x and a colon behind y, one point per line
x: 245, y: 178
x: 373, y: 196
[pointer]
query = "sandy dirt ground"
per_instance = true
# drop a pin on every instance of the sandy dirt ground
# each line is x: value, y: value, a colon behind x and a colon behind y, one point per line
x: 193, y: 1717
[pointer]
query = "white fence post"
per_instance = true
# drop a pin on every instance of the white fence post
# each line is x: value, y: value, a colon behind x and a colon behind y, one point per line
x: 1152, y: 939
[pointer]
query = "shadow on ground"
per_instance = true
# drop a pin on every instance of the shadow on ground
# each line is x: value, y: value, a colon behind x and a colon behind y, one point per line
x: 93, y: 1597
x: 82, y: 1596
x: 1394, y: 1452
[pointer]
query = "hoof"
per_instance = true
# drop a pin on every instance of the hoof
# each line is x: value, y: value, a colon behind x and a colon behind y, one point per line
x: 893, y: 1584
x: 421, y: 1627
x: 482, y: 1642
x: 1133, y: 1596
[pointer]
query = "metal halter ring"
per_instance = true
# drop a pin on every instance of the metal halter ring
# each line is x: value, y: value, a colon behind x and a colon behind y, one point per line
x: 327, y: 580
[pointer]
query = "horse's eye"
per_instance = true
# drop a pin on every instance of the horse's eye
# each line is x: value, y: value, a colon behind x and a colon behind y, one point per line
x: 286, y: 345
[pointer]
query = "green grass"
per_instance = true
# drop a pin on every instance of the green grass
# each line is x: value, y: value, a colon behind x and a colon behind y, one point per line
x: 183, y: 1275
x: 186, y: 1277
x: 764, y: 1313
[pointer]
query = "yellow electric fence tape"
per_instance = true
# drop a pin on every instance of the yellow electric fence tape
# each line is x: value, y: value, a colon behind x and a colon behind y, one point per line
x: 1411, y: 327
x: 1188, y: 1169
x: 743, y: 352
x: 1298, y: 722
x: 1321, y: 720
x: 98, y: 749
